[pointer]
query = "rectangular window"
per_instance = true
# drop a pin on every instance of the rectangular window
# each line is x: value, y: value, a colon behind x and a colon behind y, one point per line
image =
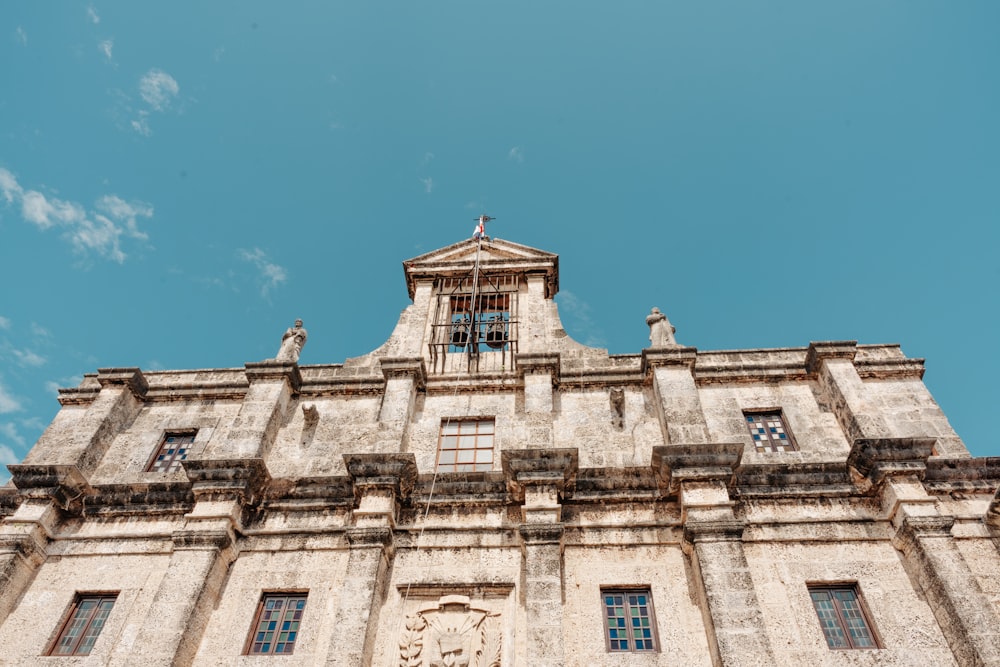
x: 842, y: 616
x: 769, y: 432
x: 465, y: 445
x: 173, y: 449
x: 83, y: 624
x: 629, y: 623
x: 276, y: 624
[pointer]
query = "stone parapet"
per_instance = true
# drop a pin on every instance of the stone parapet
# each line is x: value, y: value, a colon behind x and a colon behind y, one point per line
x: 63, y: 484
x: 271, y: 370
x: 130, y: 378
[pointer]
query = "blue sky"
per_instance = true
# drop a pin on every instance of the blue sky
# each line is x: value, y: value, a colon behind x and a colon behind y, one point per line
x: 179, y: 181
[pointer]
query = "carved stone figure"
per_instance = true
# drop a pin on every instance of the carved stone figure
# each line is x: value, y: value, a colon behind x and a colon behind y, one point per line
x: 292, y: 343
x: 661, y: 332
x: 451, y: 633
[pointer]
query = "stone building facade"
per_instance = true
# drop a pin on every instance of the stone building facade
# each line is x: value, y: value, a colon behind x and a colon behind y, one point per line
x: 482, y: 491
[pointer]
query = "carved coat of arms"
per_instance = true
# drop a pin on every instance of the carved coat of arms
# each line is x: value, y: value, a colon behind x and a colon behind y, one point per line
x: 451, y: 633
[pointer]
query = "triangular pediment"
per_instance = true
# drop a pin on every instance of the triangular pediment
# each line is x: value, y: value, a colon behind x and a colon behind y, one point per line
x: 495, y: 255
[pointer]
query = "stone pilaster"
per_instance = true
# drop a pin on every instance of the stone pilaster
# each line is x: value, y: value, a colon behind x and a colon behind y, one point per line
x: 701, y: 474
x: 188, y: 592
x: 272, y: 386
x: 380, y: 482
x: 540, y: 374
x: 895, y: 468
x: 203, y: 550
x: 540, y: 478
x: 961, y: 608
x: 677, y: 400
x: 832, y: 362
x: 403, y: 378
x: 83, y: 443
x: 23, y: 540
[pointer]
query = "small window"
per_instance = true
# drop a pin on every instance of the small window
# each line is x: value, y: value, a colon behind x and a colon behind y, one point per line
x: 842, y: 616
x: 83, y: 624
x: 769, y: 432
x: 173, y: 449
x: 465, y: 445
x: 276, y: 624
x: 629, y: 623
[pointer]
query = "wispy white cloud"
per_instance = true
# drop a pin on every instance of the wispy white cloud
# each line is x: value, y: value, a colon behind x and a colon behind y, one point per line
x: 270, y: 274
x: 428, y: 156
x: 53, y: 386
x: 141, y: 124
x: 158, y: 89
x: 97, y: 231
x: 428, y: 184
x: 578, y: 315
x: 26, y: 357
x: 105, y: 47
x: 516, y: 154
x: 4, y: 323
x: 22, y: 36
x: 218, y: 53
x: 8, y: 402
x: 93, y: 15
x: 39, y: 331
x: 8, y: 431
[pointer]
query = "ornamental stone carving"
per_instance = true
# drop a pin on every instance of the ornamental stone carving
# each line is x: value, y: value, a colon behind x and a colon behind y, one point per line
x: 292, y: 343
x: 661, y: 332
x: 451, y: 633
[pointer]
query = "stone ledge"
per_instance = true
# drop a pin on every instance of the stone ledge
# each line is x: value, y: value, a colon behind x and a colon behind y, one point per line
x: 140, y: 499
x: 713, y: 531
x: 538, y: 362
x: 398, y: 471
x: 541, y: 533
x: 369, y: 536
x: 777, y: 480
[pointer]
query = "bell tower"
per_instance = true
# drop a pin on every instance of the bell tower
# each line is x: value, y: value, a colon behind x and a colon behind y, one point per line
x: 486, y: 302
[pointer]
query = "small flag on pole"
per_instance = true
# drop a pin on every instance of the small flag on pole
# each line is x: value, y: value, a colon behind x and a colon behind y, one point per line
x: 480, y: 231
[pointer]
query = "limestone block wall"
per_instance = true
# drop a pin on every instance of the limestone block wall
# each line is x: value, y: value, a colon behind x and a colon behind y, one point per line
x: 903, y: 621
x: 132, y: 449
x: 664, y: 570
x: 266, y: 565
x: 816, y: 431
x: 585, y: 419
x: 34, y: 623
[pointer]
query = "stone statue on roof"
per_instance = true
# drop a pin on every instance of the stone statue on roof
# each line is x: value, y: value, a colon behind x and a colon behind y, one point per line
x: 661, y: 332
x: 292, y: 343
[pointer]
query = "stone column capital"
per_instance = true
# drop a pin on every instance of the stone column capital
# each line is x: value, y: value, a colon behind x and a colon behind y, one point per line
x: 270, y: 370
x: 879, y: 458
x: 395, y: 367
x: 63, y: 484
x: 130, y: 378
x: 677, y: 357
x: 395, y: 472
x: 538, y: 362
x: 244, y: 480
x: 540, y: 467
x: 712, y: 462
x: 541, y: 533
x: 369, y: 536
x: 830, y: 349
x: 714, y: 531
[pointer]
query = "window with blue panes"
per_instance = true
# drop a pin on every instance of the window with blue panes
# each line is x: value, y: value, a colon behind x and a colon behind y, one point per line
x: 769, y: 431
x: 629, y: 623
x: 173, y: 449
x: 275, y: 628
x: 842, y: 616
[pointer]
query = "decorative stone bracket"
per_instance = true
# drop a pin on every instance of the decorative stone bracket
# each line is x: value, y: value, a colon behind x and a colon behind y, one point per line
x: 539, y: 362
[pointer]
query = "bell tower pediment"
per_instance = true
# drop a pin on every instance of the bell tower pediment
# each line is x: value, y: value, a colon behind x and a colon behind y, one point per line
x: 495, y: 256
